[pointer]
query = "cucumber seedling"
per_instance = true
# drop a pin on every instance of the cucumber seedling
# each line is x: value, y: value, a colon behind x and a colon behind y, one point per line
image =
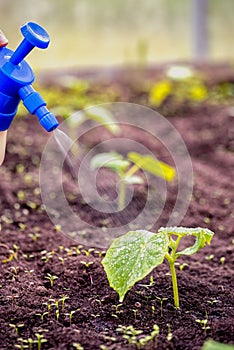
x: 134, y: 255
x: 126, y: 169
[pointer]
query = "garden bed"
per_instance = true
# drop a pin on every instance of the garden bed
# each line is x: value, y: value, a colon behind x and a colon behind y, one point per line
x: 31, y: 248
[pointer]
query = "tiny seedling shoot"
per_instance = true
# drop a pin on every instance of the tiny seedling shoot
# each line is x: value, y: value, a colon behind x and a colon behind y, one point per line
x: 134, y: 255
x: 126, y: 169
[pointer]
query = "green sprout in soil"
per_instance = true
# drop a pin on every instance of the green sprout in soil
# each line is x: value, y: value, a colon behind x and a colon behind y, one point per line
x: 169, y: 332
x: 62, y: 299
x: 51, y: 278
x: 70, y: 315
x: 42, y: 316
x: 28, y: 343
x: 16, y: 327
x: 134, y: 255
x: 62, y: 260
x: 87, y: 263
x: 161, y: 303
x: 77, y: 346
x: 13, y: 254
x: 203, y: 323
x: 136, y: 337
x: 40, y: 340
x: 126, y: 169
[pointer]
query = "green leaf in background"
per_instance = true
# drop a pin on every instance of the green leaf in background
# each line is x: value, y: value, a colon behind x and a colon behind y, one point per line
x: 153, y: 166
x: 159, y: 92
x: 133, y: 256
x: 76, y: 119
x: 103, y: 116
x: 111, y: 160
x: 213, y: 345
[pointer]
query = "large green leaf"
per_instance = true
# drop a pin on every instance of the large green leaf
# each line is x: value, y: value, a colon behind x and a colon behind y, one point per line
x: 111, y: 160
x: 213, y: 345
x: 103, y: 116
x: 203, y: 236
x: 153, y: 166
x: 133, y: 256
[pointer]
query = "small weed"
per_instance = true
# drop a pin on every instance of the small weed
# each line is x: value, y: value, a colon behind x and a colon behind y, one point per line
x: 150, y: 284
x: 203, y: 324
x: 40, y: 339
x: 62, y: 260
x: 209, y: 257
x: 77, y: 346
x: 34, y: 236
x: 29, y: 272
x: 16, y: 327
x: 213, y: 302
x: 222, y: 260
x: 42, y: 316
x: 161, y: 303
x: 117, y: 307
x: 169, y: 333
x: 87, y: 263
x: 14, y: 272
x: 13, y: 254
x: 63, y: 298
x: 47, y: 256
x: 57, y: 314
x: 51, y: 278
x: 70, y: 315
x: 134, y: 336
x: 87, y: 252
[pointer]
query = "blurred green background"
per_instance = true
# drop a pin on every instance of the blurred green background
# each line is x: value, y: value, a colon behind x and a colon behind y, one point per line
x: 123, y: 32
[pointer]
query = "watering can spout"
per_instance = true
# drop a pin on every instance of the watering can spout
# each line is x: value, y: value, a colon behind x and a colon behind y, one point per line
x: 35, y: 104
x: 16, y: 77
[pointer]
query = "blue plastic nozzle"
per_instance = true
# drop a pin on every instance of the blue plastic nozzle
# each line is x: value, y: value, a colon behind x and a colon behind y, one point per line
x: 16, y: 77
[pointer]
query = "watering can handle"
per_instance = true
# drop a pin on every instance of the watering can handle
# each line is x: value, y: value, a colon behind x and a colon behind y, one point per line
x: 34, y: 35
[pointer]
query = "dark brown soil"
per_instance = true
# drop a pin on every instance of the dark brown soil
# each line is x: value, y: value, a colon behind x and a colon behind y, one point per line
x: 30, y: 248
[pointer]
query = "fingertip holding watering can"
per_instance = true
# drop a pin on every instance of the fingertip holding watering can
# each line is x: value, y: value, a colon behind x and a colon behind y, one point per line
x: 16, y: 77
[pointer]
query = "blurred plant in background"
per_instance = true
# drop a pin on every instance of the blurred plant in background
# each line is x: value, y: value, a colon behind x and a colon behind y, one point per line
x: 180, y: 87
x: 71, y: 95
x: 181, y: 84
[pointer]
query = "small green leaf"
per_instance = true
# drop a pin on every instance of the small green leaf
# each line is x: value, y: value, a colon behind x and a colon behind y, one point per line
x: 203, y: 237
x: 153, y: 166
x: 103, y: 116
x: 133, y: 180
x: 111, y: 160
x: 133, y: 256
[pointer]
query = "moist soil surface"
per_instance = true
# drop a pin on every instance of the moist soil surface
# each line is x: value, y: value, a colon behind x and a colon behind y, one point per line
x: 78, y: 309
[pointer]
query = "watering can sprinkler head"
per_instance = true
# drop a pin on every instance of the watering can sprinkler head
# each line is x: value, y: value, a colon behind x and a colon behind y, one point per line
x: 16, y: 77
